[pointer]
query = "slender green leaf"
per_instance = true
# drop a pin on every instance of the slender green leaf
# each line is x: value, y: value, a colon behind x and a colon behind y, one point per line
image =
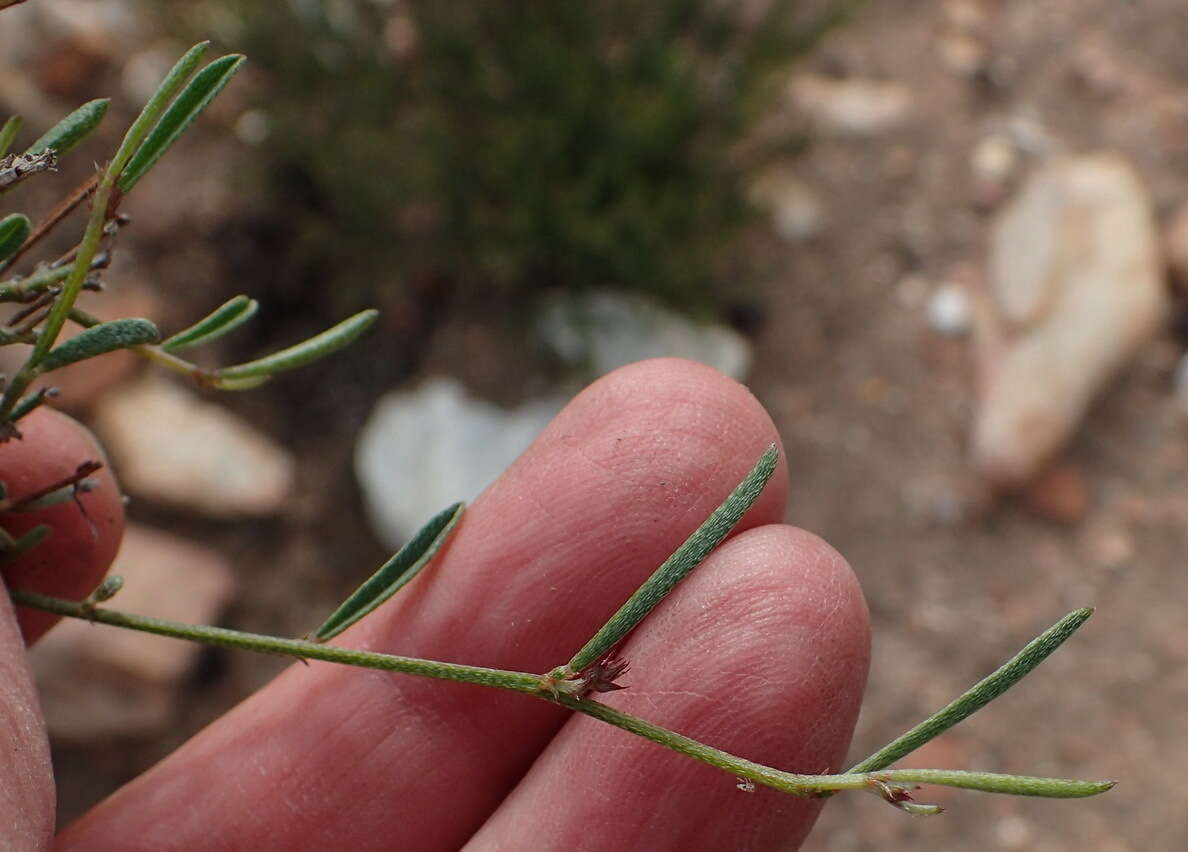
x: 72, y: 129
x: 394, y: 573
x: 206, y: 84
x: 144, y: 122
x: 100, y: 203
x: 223, y: 319
x: 14, y: 230
x: 8, y: 132
x: 303, y: 353
x: 687, y: 557
x: 978, y: 696
x: 993, y: 782
x: 99, y: 339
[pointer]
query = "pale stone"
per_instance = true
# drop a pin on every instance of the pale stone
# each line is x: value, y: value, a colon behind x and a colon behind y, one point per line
x: 99, y: 681
x: 796, y: 212
x: 949, y: 311
x: 167, y: 445
x: 994, y: 159
x: 603, y: 331
x: 1074, y: 289
x: 851, y: 106
x: 424, y: 449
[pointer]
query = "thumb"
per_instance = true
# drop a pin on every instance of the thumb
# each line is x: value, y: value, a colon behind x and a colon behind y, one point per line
x: 26, y: 777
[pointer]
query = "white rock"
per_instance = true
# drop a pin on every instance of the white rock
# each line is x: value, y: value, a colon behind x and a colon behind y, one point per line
x: 851, y: 106
x: 98, y: 681
x: 170, y: 446
x: 796, y: 211
x: 994, y: 159
x: 604, y: 331
x: 422, y: 450
x: 1074, y: 288
x: 949, y: 311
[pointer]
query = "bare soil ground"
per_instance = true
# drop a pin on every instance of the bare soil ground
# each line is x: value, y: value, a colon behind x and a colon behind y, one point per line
x: 874, y: 407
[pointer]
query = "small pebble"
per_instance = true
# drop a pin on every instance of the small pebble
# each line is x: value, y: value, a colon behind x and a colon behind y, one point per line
x: 948, y: 310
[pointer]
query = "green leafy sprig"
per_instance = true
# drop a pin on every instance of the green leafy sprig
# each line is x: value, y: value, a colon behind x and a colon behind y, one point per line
x: 568, y: 685
x: 51, y: 291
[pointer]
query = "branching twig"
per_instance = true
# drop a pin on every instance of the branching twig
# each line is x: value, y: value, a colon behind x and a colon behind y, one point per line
x: 523, y: 682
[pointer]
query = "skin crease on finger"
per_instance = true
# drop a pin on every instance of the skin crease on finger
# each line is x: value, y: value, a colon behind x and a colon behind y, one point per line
x: 370, y: 760
x: 763, y: 652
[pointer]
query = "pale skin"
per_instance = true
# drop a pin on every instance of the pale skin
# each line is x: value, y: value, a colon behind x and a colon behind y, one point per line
x: 762, y: 651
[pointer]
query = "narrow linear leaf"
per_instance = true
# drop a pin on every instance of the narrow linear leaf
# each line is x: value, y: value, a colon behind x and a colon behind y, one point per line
x: 92, y: 236
x: 978, y: 696
x: 223, y: 319
x: 394, y: 573
x: 330, y: 340
x: 14, y: 230
x: 206, y: 84
x: 8, y: 132
x: 993, y: 782
x: 687, y: 557
x: 169, y: 87
x: 98, y: 340
x: 72, y: 129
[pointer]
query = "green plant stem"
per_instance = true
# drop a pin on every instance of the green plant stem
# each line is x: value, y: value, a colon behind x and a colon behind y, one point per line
x: 63, y: 304
x: 300, y: 648
x: 788, y: 782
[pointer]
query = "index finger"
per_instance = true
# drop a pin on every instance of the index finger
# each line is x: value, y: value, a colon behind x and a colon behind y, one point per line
x: 365, y: 759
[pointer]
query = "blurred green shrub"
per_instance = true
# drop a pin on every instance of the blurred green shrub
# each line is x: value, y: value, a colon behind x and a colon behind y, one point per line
x: 511, y: 146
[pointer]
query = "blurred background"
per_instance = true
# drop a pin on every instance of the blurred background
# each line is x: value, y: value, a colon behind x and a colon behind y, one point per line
x: 944, y: 243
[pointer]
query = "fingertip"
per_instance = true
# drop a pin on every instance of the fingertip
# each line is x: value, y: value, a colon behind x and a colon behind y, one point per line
x: 763, y: 652
x: 675, y: 407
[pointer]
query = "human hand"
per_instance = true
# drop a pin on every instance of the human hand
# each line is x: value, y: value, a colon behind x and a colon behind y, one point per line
x: 761, y: 651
